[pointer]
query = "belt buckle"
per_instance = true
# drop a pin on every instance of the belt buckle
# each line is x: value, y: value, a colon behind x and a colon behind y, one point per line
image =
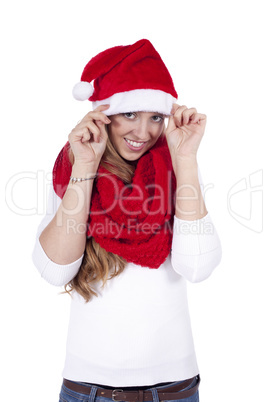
x: 113, y: 394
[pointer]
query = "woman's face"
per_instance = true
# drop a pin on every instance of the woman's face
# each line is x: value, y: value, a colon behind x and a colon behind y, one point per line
x: 132, y: 134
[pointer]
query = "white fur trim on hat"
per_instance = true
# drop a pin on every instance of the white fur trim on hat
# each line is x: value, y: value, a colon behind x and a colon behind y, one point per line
x: 82, y: 90
x: 138, y: 100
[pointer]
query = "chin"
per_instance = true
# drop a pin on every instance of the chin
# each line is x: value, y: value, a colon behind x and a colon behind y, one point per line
x: 130, y: 160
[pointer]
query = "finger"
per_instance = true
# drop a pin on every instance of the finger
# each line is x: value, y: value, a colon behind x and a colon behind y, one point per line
x: 102, y: 132
x: 81, y: 135
x: 175, y: 106
x: 187, y: 114
x: 86, y: 135
x: 92, y: 127
x: 171, y: 126
x: 198, y: 117
x: 101, y: 108
x: 96, y: 116
x: 89, y: 136
x: 178, y: 115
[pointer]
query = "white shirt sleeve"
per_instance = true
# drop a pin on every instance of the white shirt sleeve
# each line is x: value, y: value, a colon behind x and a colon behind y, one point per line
x: 196, y: 247
x: 55, y: 274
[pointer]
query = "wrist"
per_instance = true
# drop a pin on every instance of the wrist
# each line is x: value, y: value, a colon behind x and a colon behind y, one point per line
x: 183, y: 164
x: 84, y: 170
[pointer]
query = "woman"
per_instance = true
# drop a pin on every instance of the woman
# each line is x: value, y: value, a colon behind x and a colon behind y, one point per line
x: 123, y: 239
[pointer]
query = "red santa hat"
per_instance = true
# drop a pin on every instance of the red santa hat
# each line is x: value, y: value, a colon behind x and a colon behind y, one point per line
x: 129, y: 78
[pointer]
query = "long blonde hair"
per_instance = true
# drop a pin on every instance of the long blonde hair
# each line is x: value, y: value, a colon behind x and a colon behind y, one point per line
x: 97, y: 262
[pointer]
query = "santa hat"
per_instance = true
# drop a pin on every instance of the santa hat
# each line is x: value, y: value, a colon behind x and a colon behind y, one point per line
x: 129, y: 78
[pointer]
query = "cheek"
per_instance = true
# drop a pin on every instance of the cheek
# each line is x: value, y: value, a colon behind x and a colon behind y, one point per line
x: 159, y: 130
x: 118, y: 129
x: 113, y: 133
x: 116, y: 137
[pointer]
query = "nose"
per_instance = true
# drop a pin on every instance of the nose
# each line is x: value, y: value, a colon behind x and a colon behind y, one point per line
x: 142, y: 131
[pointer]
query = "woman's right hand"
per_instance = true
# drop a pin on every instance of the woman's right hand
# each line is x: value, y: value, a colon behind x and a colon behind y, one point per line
x: 88, y: 139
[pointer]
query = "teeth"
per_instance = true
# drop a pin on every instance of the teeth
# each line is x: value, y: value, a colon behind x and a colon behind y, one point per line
x: 134, y: 144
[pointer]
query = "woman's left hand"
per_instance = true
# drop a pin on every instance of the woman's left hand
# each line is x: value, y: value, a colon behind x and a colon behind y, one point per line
x: 184, y: 133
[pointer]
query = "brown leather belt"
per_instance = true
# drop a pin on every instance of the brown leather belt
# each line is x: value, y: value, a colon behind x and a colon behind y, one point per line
x: 174, y: 392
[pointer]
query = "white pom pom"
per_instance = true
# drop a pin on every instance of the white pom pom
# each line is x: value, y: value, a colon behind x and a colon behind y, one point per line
x: 82, y: 90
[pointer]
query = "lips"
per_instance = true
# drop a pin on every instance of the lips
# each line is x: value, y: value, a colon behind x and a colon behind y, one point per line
x: 134, y: 147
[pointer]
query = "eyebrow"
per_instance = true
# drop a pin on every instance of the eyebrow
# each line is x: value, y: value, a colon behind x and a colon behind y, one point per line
x: 159, y: 114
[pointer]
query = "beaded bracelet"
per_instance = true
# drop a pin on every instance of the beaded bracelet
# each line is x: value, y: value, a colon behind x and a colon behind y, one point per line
x: 76, y: 179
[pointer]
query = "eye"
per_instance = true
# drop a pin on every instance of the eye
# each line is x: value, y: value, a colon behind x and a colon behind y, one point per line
x: 157, y: 118
x: 129, y: 115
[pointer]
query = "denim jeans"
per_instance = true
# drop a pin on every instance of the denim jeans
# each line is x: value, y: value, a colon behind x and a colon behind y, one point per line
x: 68, y: 395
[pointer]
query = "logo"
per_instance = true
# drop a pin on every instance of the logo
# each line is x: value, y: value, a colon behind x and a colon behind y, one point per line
x: 245, y: 201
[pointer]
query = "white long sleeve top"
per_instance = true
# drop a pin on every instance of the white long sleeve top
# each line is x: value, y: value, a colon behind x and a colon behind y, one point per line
x: 137, y: 331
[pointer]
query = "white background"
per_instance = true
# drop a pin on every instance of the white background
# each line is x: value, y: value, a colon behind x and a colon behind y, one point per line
x: 216, y: 53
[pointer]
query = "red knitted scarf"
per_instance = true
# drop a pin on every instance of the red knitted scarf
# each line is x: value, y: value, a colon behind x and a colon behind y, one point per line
x: 134, y: 221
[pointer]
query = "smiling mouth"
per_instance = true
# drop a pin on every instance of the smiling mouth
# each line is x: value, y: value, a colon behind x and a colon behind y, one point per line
x: 135, y: 144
